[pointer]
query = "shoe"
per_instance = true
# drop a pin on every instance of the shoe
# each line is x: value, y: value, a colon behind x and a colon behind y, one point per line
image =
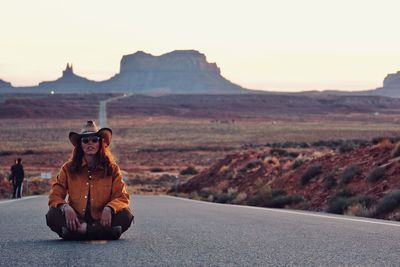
x: 115, y: 232
x: 65, y: 233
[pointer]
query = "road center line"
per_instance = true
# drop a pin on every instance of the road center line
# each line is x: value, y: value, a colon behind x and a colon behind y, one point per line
x: 291, y: 212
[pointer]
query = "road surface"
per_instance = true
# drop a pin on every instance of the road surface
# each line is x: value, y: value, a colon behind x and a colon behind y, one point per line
x: 178, y: 232
x: 103, y: 109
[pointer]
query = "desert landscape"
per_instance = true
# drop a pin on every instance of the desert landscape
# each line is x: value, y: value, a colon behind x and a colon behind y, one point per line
x: 224, y: 148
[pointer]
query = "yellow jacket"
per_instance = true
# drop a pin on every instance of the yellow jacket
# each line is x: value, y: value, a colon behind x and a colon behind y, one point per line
x: 105, y: 190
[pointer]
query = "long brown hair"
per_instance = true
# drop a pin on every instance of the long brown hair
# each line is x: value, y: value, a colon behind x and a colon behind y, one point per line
x: 104, y: 158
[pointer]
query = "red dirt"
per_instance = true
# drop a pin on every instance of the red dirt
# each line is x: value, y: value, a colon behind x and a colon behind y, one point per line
x: 245, y: 171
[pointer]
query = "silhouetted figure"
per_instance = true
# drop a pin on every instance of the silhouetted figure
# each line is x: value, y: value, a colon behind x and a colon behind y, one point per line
x: 17, y: 178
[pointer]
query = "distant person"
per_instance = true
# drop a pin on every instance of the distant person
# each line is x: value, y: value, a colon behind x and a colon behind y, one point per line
x: 98, y: 203
x: 17, y: 178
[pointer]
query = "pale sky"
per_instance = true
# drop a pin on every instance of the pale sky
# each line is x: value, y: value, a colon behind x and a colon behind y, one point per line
x: 278, y: 45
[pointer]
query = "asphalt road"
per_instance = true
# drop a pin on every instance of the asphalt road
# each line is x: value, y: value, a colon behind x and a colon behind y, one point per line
x: 103, y: 109
x: 177, y: 232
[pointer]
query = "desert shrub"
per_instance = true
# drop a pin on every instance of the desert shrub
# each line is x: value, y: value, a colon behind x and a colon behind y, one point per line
x: 205, y: 193
x: 338, y: 205
x: 349, y: 173
x: 251, y: 165
x: 361, y: 205
x: 261, y: 197
x: 346, y: 147
x: 304, y: 145
x: 275, y: 198
x: 310, y: 173
x: 240, y: 198
x: 288, y: 144
x: 297, y: 163
x: 3, y: 191
x: 377, y: 140
x: 226, y: 197
x: 344, y: 192
x: 190, y: 170
x: 396, y: 151
x: 156, y: 169
x: 376, y: 174
x: 28, y: 152
x: 278, y: 192
x: 328, y: 143
x: 38, y: 192
x: 330, y: 180
x: 283, y: 200
x: 389, y: 203
x: 366, y: 201
x: 278, y: 152
x: 293, y: 154
x: 357, y: 209
x: 194, y: 195
x: 210, y: 198
x: 5, y: 153
x: 222, y: 198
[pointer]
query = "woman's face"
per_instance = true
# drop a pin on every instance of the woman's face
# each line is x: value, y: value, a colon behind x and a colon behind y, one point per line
x: 90, y: 144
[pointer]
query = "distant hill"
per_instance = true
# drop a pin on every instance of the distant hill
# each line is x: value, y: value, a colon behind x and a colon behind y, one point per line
x: 177, y: 72
x: 4, y: 84
x: 211, y: 106
x: 183, y: 71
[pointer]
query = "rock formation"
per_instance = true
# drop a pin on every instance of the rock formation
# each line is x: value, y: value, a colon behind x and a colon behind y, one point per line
x: 4, y: 84
x: 185, y: 71
x: 69, y: 83
x: 392, y: 80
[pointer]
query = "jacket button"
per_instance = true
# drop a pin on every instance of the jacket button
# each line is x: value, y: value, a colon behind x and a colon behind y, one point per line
x: 85, y: 196
x: 87, y: 183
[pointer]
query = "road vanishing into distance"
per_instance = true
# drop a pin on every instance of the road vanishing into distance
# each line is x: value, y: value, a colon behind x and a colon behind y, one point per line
x: 178, y: 232
x: 103, y: 109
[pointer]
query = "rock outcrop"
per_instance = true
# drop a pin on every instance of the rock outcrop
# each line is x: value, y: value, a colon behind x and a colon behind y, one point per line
x: 69, y: 83
x: 392, y: 80
x: 4, y: 84
x: 185, y: 71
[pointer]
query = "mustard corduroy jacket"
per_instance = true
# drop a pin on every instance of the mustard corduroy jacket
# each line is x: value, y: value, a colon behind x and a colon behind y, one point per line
x: 105, y: 190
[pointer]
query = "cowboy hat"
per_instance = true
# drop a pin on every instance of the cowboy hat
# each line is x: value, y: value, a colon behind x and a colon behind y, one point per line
x: 90, y: 128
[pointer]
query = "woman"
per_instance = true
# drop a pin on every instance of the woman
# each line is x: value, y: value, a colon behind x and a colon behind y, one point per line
x: 98, y: 203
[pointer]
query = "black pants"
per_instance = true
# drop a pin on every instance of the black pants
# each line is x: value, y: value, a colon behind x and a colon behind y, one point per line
x: 17, y: 188
x: 55, y: 219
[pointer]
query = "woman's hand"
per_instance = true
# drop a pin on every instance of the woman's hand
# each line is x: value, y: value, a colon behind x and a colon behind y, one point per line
x: 71, y: 218
x: 106, y: 217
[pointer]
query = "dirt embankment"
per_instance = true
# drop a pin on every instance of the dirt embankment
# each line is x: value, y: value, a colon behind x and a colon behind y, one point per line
x: 362, y: 180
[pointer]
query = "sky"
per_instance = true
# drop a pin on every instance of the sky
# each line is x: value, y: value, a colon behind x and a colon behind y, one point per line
x: 285, y: 45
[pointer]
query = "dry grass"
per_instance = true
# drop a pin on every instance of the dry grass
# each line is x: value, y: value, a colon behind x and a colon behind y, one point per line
x: 170, y: 143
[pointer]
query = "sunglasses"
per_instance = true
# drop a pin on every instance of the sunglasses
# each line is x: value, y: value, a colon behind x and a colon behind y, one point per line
x: 94, y: 139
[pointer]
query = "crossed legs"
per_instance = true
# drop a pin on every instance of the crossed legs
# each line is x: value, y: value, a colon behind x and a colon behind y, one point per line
x: 55, y: 219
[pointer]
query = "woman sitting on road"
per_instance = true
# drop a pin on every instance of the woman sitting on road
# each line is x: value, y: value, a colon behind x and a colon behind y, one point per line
x: 98, y: 203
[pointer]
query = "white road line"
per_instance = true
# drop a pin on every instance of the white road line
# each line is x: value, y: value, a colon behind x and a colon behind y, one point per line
x: 17, y: 199
x: 295, y: 212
